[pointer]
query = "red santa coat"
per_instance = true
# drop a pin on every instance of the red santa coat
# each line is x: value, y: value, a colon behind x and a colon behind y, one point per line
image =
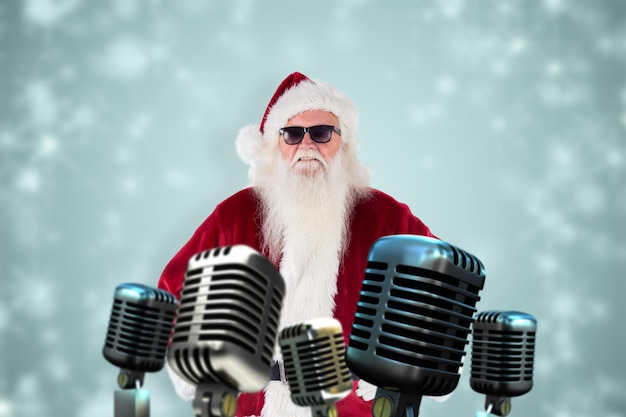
x: 236, y: 221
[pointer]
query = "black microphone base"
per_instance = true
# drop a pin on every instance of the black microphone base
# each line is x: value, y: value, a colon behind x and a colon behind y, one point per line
x: 324, y: 410
x: 132, y: 403
x: 214, y: 400
x: 395, y: 404
x: 498, y: 405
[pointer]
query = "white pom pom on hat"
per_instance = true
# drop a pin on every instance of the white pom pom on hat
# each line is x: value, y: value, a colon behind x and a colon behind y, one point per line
x: 297, y: 93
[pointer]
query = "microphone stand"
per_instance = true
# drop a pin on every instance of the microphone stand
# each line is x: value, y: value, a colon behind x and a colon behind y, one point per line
x: 324, y: 410
x: 497, y: 405
x: 395, y: 404
x: 131, y: 402
x: 214, y: 400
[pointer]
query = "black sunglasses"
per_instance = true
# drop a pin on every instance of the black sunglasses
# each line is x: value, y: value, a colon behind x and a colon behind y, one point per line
x: 292, y: 135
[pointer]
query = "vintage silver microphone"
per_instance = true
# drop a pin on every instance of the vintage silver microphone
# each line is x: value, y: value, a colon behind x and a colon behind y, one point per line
x: 503, y: 351
x: 227, y: 325
x: 412, y: 320
x: 139, y: 328
x: 314, y: 359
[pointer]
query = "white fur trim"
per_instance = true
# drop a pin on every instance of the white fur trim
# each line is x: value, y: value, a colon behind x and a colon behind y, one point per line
x: 248, y: 143
x: 313, y: 95
x: 278, y: 402
x: 184, y: 389
x: 310, y: 293
x: 306, y: 95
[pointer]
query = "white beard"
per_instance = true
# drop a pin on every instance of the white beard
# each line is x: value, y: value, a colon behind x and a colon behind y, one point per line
x: 305, y: 218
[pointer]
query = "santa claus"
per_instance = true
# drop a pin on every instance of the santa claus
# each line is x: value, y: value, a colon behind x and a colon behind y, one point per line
x: 311, y: 211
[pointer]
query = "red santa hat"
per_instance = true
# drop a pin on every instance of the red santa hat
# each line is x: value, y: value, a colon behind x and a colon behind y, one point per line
x: 297, y: 93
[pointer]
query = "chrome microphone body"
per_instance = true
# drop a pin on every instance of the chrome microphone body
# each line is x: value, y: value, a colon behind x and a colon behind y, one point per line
x: 503, y: 351
x: 413, y: 319
x: 314, y: 359
x: 139, y: 328
x: 227, y: 325
x: 136, y: 341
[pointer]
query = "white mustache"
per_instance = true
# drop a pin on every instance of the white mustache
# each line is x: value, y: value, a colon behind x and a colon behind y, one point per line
x: 308, y: 154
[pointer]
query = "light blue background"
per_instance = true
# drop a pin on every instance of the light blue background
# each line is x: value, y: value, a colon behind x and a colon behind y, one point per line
x: 502, y: 123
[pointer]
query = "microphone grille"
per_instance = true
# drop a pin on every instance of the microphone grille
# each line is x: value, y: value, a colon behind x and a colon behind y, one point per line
x: 139, y: 327
x: 429, y: 290
x: 228, y: 318
x: 503, y: 350
x: 314, y: 359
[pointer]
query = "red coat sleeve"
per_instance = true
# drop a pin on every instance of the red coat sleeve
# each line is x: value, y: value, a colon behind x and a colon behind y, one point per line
x: 413, y: 225
x: 232, y: 222
x: 207, y: 236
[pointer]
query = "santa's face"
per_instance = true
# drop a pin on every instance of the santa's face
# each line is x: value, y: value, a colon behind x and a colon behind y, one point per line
x: 309, y: 157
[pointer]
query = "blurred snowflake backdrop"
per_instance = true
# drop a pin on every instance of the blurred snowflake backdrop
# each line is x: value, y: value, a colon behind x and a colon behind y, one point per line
x: 502, y: 123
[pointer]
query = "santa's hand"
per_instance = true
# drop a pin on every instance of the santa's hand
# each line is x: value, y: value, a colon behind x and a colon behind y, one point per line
x: 439, y: 399
x: 366, y: 390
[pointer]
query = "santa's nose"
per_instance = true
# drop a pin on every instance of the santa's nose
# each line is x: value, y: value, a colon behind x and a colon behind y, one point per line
x: 307, y: 142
